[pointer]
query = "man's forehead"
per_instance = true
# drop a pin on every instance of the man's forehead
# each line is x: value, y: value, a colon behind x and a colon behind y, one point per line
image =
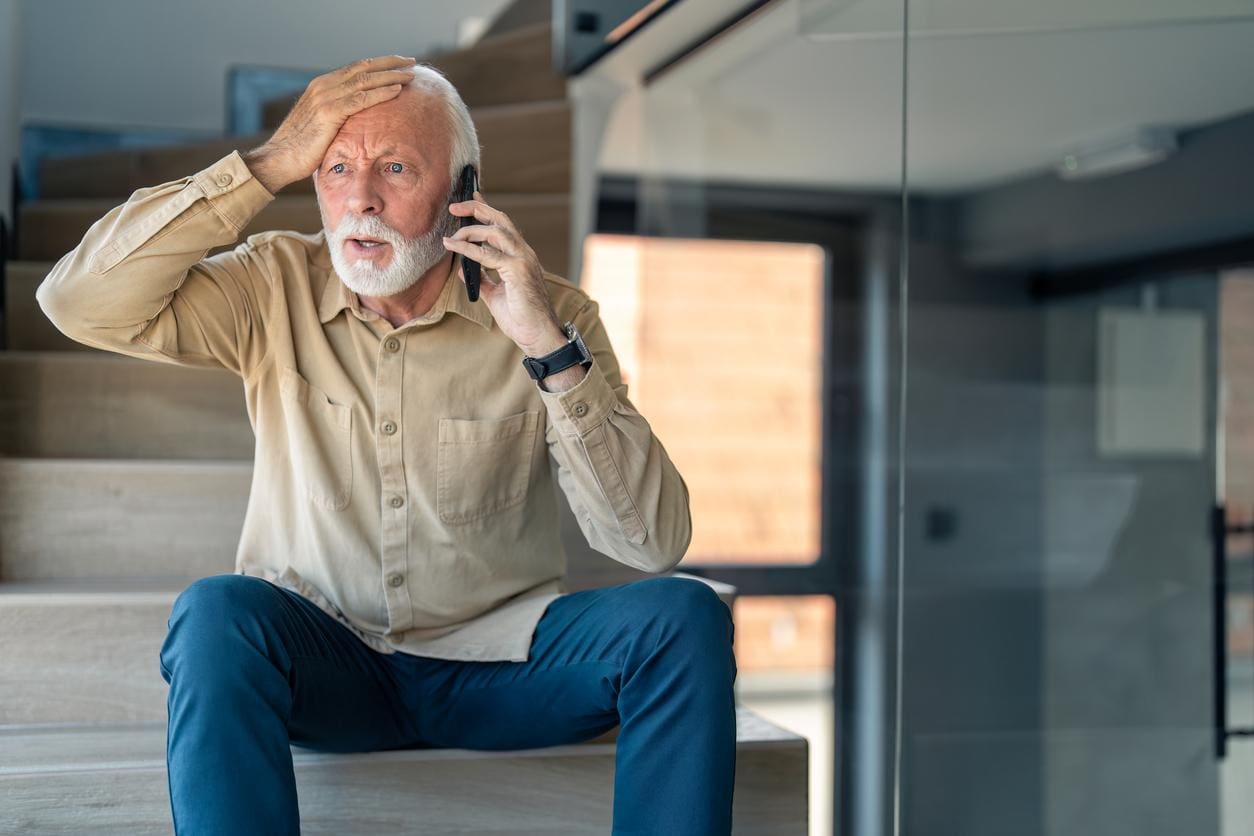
x: 376, y: 141
x: 357, y: 147
x: 408, y: 123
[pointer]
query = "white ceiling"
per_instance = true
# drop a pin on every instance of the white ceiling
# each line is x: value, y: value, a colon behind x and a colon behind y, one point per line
x: 810, y: 91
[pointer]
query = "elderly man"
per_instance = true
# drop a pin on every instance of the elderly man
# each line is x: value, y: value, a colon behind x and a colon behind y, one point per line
x: 398, y: 582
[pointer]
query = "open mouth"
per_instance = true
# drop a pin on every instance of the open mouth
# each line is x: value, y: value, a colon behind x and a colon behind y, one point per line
x: 366, y: 244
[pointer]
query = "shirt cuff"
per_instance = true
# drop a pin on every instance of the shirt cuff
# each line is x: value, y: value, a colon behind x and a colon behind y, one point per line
x: 232, y: 190
x: 581, y: 408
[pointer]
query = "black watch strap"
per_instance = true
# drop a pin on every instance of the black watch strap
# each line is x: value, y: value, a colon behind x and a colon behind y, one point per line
x: 573, y: 353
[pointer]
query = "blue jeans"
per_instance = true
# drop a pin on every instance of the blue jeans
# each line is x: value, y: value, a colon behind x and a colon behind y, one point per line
x: 254, y: 667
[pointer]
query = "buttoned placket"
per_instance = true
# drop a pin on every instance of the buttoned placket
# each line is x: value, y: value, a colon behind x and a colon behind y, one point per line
x: 394, y: 539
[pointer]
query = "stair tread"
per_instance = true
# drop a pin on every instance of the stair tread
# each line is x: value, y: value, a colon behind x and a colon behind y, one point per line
x: 81, y: 747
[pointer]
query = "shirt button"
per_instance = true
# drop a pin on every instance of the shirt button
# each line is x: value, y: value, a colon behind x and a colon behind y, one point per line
x: 224, y: 180
x: 581, y: 409
x: 388, y: 427
x: 392, y: 344
x: 396, y: 501
x: 395, y: 579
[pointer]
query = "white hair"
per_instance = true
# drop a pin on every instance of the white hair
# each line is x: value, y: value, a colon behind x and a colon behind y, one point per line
x: 465, y: 145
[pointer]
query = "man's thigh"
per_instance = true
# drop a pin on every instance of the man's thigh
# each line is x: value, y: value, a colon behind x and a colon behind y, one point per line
x: 567, y: 690
x: 233, y: 631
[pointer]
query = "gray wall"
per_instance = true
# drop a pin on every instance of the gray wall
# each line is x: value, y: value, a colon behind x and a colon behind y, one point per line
x: 162, y: 65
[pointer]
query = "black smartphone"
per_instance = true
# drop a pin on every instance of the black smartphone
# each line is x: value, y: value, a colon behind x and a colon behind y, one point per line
x: 467, y: 185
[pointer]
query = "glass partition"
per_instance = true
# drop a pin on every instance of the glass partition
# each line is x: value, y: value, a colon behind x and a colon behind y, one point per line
x: 1078, y: 651
x: 747, y: 259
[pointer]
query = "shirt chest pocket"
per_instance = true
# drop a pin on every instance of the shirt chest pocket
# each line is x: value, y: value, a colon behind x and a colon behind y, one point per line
x: 483, y: 466
x: 320, y: 434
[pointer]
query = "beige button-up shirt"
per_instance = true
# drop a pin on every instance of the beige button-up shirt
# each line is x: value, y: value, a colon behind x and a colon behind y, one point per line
x: 403, y: 477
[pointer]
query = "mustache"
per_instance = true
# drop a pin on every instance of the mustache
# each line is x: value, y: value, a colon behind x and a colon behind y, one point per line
x: 368, y: 226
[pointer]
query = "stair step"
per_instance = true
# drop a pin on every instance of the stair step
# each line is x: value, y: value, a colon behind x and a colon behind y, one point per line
x: 113, y: 780
x: 526, y: 148
x: 72, y: 404
x: 101, y: 518
x: 49, y: 229
x: 26, y: 327
x: 512, y: 67
x: 506, y: 69
x: 85, y: 650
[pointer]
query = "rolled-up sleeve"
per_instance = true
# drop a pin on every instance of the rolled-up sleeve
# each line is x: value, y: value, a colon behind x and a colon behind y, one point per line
x: 139, y: 282
x: 628, y: 497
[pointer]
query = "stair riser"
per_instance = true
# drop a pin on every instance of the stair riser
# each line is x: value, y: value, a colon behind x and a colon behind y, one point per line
x: 91, y: 661
x: 516, y: 67
x: 79, y: 405
x: 567, y: 792
x: 525, y: 149
x: 78, y: 519
x: 50, y: 229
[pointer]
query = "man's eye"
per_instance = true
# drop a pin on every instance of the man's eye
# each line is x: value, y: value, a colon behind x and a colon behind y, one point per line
x: 395, y: 168
x: 338, y: 168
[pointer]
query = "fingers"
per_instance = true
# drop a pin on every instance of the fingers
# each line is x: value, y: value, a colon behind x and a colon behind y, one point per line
x: 365, y: 88
x: 481, y: 212
x: 487, y: 256
x: 381, y: 62
x: 498, y: 237
x: 362, y: 99
x: 381, y: 78
x: 344, y: 87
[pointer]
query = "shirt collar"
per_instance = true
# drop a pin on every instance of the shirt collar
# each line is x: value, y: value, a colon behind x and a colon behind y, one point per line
x: 337, y: 297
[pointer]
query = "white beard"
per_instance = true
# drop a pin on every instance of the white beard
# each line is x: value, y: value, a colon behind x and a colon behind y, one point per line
x: 411, y: 257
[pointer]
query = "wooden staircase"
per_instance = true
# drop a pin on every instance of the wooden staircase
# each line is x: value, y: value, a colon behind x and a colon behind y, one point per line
x: 121, y: 481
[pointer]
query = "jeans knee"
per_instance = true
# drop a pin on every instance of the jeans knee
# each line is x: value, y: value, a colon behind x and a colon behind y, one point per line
x: 208, y: 615
x: 687, y: 607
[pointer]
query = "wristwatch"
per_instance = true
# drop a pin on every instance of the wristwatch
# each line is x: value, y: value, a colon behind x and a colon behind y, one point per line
x: 563, y: 358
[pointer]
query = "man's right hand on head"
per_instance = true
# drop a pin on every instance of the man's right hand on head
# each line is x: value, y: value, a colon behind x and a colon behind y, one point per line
x: 297, y: 147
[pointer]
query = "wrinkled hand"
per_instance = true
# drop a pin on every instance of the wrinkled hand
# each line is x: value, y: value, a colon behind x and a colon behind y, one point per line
x: 297, y: 147
x: 519, y: 302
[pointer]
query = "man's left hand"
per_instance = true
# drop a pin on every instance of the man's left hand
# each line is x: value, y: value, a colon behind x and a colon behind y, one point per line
x: 519, y: 302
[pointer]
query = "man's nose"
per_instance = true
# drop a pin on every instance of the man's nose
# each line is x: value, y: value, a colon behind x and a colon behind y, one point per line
x: 363, y: 197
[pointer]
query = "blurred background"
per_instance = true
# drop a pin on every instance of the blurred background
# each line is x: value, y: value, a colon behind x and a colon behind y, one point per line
x: 944, y: 309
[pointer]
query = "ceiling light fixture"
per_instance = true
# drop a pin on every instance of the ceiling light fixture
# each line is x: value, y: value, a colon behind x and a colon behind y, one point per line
x: 1145, y: 147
